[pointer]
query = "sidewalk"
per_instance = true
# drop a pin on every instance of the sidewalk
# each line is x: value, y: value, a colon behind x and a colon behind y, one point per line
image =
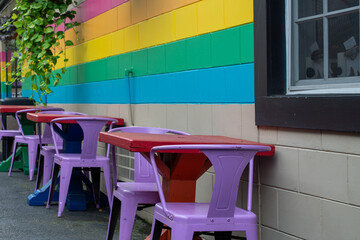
x: 19, y: 221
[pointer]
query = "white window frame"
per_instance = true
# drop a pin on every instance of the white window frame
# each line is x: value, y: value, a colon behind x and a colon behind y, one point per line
x: 314, y: 86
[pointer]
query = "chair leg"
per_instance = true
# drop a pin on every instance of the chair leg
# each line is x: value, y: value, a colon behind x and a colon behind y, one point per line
x: 12, y: 158
x: 39, y: 175
x: 114, y: 216
x: 181, y: 233
x: 55, y: 173
x: 156, y: 229
x: 32, y: 150
x: 251, y: 232
x: 65, y: 176
x: 95, y: 177
x: 108, y: 183
x: 48, y: 162
x: 127, y: 218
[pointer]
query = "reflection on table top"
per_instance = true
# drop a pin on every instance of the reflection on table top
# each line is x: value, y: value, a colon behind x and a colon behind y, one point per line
x: 15, y: 108
x: 143, y: 142
x: 45, y: 118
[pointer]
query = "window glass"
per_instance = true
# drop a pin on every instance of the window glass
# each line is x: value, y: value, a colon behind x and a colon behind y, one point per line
x: 310, y: 7
x: 341, y: 4
x: 311, y: 54
x: 344, y: 47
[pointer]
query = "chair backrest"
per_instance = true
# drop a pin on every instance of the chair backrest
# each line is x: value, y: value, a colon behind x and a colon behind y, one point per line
x: 143, y: 170
x: 91, y: 127
x: 20, y: 113
x: 229, y: 162
x: 47, y: 136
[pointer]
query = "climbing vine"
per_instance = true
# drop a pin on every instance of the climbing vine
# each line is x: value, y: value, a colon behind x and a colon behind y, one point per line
x: 38, y: 41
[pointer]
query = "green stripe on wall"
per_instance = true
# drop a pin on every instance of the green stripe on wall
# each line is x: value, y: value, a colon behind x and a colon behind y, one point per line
x: 222, y: 48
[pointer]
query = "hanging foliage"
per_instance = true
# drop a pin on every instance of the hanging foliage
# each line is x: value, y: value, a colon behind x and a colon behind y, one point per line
x: 38, y: 41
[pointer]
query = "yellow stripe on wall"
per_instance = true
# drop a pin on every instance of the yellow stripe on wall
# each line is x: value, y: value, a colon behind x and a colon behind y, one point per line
x: 191, y: 20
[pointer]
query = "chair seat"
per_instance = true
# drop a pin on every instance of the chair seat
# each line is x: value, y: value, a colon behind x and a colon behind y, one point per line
x: 26, y: 138
x: 9, y: 133
x: 144, y: 192
x: 50, y: 148
x: 73, y: 157
x: 197, y: 213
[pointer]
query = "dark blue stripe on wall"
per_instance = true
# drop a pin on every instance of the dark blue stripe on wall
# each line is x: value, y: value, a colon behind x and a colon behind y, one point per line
x: 230, y: 84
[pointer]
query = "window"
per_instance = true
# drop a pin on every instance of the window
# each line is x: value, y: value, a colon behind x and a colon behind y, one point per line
x: 322, y: 46
x: 306, y: 67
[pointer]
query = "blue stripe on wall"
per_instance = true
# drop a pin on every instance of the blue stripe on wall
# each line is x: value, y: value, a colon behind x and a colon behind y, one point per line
x: 230, y: 84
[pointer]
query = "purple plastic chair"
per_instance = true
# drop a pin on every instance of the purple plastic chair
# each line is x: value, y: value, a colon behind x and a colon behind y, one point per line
x: 91, y: 127
x: 220, y: 215
x: 47, y: 152
x: 33, y: 141
x: 128, y: 195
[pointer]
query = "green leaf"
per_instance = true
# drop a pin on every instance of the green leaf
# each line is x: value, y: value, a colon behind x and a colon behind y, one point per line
x: 18, y: 24
x: 66, y: 60
x: 36, y: 6
x: 28, y: 74
x: 38, y: 21
x: 68, y: 25
x: 56, y: 82
x: 39, y: 38
x: 31, y: 25
x: 46, y: 45
x: 49, y: 30
x: 63, y: 70
x: 14, y: 16
x: 59, y: 21
x: 58, y: 75
x: 68, y: 43
x: 34, y: 87
x: 28, y: 45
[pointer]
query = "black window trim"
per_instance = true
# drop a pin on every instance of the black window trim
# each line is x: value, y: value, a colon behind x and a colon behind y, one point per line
x: 338, y: 112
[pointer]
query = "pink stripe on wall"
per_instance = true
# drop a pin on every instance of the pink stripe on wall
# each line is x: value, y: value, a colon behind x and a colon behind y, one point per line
x: 3, y: 56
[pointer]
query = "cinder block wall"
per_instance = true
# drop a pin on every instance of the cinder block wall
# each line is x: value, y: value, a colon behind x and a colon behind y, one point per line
x: 192, y: 64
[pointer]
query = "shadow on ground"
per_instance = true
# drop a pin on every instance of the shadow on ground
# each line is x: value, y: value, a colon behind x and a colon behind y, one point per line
x: 19, y: 221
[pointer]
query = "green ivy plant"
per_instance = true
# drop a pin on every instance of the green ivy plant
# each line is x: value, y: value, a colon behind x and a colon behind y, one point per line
x: 38, y: 41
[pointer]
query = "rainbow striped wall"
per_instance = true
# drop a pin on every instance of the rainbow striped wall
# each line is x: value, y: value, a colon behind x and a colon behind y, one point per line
x: 3, y: 61
x: 179, y: 51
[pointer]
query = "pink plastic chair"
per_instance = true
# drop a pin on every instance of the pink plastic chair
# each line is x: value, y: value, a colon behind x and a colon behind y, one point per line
x: 33, y: 141
x: 91, y: 127
x: 220, y: 215
x: 47, y: 152
x: 128, y: 195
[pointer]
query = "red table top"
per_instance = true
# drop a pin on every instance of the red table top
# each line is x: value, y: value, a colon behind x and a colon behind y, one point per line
x: 15, y: 108
x: 143, y: 142
x: 46, y: 118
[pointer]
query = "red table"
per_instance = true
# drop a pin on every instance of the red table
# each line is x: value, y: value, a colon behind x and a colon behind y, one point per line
x: 180, y: 169
x: 12, y: 109
x: 46, y: 118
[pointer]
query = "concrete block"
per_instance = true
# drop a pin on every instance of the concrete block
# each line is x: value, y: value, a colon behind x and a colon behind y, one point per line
x: 268, y: 135
x: 147, y: 33
x: 249, y: 129
x: 200, y: 119
x: 323, y: 174
x: 272, y: 234
x: 269, y: 207
x: 204, y: 187
x: 282, y: 170
x: 341, y: 142
x: 299, y: 138
x: 177, y: 117
x: 157, y: 115
x: 227, y: 120
x: 210, y: 16
x: 165, y: 28
x: 340, y: 221
x: 299, y: 215
x: 354, y: 179
x: 186, y: 24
